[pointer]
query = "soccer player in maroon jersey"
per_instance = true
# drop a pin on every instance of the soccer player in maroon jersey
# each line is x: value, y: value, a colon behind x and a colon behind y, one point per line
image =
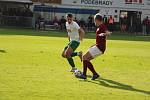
x: 96, y: 50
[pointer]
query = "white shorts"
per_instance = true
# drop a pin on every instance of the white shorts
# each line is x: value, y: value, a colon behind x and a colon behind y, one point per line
x: 94, y: 51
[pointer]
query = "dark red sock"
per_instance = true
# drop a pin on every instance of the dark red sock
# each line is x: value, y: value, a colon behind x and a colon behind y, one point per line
x: 85, y: 65
x: 91, y: 68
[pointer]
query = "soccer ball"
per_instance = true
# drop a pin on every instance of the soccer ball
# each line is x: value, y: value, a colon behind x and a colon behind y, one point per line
x: 77, y: 73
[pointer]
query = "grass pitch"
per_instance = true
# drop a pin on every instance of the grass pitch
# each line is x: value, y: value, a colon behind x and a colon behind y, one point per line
x: 31, y: 67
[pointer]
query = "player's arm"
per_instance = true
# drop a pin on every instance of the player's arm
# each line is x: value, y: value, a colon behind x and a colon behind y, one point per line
x: 81, y: 33
x: 107, y: 33
x: 68, y: 30
x: 68, y: 37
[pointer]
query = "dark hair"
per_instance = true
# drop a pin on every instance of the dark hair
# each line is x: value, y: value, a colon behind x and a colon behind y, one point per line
x: 69, y: 15
x: 147, y: 17
x: 98, y: 17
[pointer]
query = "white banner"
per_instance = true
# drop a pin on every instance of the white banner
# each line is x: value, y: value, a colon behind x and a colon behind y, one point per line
x: 139, y: 4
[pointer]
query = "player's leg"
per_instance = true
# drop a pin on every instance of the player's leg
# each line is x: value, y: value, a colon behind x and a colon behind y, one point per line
x: 74, y: 45
x: 68, y: 53
x: 87, y: 64
x: 79, y: 54
x: 86, y: 58
x: 75, y: 54
x: 91, y: 54
x: 63, y: 53
x: 67, y: 49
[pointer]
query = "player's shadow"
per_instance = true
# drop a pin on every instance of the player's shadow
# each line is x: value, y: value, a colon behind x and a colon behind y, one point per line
x: 113, y: 84
x: 2, y: 51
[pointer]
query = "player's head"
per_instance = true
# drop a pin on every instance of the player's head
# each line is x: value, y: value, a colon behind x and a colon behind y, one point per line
x: 69, y: 18
x: 146, y: 17
x: 98, y: 19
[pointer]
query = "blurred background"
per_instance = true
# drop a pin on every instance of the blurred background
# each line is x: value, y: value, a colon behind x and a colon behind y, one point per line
x: 130, y: 16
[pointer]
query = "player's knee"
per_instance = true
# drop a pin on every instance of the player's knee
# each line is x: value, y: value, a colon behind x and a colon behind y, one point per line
x: 63, y: 55
x: 85, y: 58
x: 68, y: 54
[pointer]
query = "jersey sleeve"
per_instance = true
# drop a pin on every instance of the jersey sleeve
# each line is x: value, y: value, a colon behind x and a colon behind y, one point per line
x: 67, y: 26
x: 76, y: 25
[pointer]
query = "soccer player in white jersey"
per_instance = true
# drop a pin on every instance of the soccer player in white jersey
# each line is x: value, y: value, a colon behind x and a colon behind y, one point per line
x: 75, y: 35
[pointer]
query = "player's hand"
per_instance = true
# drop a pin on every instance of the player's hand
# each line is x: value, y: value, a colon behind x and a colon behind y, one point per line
x: 105, y: 34
x: 110, y: 33
x: 68, y: 30
x: 102, y: 34
x: 81, y: 38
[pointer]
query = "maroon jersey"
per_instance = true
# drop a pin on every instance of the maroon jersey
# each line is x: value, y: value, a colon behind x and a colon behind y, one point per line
x: 101, y: 40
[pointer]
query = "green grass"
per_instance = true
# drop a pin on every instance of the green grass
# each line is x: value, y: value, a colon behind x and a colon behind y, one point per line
x: 31, y: 68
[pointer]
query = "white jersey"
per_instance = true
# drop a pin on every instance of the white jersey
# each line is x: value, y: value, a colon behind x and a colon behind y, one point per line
x: 74, y: 34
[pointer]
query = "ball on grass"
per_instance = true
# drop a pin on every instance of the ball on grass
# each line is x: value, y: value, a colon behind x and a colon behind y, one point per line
x: 77, y: 73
